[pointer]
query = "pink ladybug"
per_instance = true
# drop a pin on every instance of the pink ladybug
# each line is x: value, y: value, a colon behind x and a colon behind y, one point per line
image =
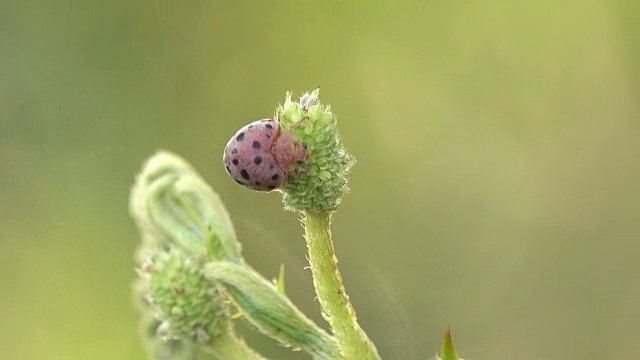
x: 260, y: 156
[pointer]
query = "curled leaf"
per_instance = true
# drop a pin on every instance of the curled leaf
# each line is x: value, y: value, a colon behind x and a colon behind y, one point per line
x: 270, y: 311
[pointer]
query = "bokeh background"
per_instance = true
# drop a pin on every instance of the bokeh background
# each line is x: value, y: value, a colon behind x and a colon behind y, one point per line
x: 497, y: 187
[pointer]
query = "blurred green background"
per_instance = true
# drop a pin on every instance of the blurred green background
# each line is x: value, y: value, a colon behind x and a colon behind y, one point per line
x: 497, y: 187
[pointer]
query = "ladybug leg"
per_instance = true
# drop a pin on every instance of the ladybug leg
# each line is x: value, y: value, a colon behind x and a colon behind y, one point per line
x: 301, y: 155
x: 296, y: 173
x: 297, y: 123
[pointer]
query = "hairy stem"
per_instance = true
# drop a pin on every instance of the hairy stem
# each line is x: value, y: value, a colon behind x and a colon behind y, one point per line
x: 337, y: 309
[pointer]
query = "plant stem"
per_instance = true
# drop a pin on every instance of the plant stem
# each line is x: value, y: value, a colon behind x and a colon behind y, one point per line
x: 230, y: 346
x: 337, y: 309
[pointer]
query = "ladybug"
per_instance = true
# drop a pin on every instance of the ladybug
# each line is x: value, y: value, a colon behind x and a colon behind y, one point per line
x: 260, y: 156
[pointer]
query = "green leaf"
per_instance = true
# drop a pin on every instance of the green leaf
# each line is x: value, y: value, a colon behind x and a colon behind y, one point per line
x: 448, y: 350
x: 280, y: 283
x: 174, y: 207
x: 270, y: 311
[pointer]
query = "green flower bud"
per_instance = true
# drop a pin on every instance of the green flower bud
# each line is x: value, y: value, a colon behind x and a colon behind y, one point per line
x: 189, y: 306
x: 271, y: 311
x: 321, y: 181
x: 160, y: 349
x: 173, y: 206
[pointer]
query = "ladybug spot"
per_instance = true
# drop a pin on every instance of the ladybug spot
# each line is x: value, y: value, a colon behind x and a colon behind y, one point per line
x: 250, y: 126
x: 228, y: 170
x: 268, y: 136
x: 300, y: 161
x: 245, y: 174
x: 269, y: 126
x: 304, y: 146
x: 235, y: 162
x: 240, y: 137
x: 256, y: 144
x: 257, y: 160
x: 271, y: 187
x: 234, y: 151
x: 275, y: 177
x: 257, y: 183
x: 239, y: 182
